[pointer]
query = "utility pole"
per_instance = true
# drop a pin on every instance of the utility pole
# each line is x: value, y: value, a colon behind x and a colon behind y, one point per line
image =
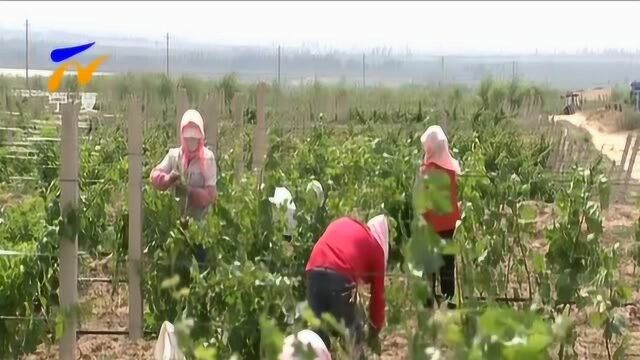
x: 363, y: 73
x: 167, y: 54
x: 278, y: 65
x: 26, y: 53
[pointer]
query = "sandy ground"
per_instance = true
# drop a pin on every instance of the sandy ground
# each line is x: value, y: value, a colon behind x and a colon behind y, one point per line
x: 611, y: 143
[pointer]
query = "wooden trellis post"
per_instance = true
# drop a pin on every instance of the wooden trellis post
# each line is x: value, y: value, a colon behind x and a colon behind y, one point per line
x: 445, y: 121
x: 211, y: 113
x: 182, y: 105
x: 260, y: 134
x: 623, y: 161
x: 568, y: 156
x: 582, y: 154
x: 135, y: 126
x: 238, y: 121
x: 561, y: 151
x: 68, y: 260
x: 343, y: 108
x: 612, y: 172
x: 632, y: 161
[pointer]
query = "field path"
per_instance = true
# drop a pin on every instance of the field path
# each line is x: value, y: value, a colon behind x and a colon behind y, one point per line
x: 611, y: 144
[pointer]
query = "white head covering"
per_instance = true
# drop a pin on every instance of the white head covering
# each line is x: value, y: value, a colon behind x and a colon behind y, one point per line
x: 306, y: 337
x: 380, y: 229
x: 282, y: 197
x: 436, y: 149
x: 317, y: 188
x: 193, y: 116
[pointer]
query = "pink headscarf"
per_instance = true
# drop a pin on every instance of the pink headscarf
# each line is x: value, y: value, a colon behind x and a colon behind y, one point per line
x: 436, y: 149
x: 380, y: 229
x: 306, y: 337
x: 192, y: 124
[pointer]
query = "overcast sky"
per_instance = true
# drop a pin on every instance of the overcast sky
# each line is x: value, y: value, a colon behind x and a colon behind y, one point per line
x: 440, y: 27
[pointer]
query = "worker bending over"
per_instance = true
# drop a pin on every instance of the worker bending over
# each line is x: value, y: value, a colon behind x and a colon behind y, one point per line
x: 349, y: 252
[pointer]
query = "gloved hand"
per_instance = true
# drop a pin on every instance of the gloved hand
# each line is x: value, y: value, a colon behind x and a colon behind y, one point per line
x: 373, y: 340
x: 174, y: 176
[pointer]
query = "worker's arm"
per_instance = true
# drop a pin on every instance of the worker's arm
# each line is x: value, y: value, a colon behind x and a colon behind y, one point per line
x: 377, y: 302
x: 163, y: 175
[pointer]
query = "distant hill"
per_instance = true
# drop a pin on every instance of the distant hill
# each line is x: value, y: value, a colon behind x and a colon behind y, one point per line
x: 255, y: 63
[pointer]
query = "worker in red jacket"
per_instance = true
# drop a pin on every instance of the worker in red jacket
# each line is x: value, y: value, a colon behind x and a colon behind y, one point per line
x: 349, y: 252
x: 438, y: 159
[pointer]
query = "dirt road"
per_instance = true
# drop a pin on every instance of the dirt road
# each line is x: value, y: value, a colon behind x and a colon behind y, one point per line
x: 611, y: 144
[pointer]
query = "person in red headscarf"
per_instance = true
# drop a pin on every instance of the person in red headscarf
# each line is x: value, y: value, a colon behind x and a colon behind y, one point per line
x: 438, y: 159
x: 349, y: 252
x: 191, y: 171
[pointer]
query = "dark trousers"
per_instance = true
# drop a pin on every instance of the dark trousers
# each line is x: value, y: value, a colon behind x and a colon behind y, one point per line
x: 447, y: 274
x: 333, y: 293
x: 200, y: 253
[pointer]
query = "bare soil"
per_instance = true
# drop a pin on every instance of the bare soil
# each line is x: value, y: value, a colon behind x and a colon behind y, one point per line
x: 605, y: 121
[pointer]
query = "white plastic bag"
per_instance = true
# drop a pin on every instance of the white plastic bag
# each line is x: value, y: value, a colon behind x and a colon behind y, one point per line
x: 167, y: 345
x: 317, y: 188
x: 307, y: 338
x: 282, y: 198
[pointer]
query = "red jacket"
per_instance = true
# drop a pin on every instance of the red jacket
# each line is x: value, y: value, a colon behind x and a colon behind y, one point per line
x: 348, y: 247
x: 444, y: 222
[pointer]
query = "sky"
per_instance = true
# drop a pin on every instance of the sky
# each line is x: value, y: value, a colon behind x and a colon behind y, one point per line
x: 424, y: 27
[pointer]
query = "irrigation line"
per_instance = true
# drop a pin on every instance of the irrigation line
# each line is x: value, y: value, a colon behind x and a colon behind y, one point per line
x: 187, y: 263
x: 102, y: 280
x: 7, y: 253
x: 15, y: 180
x: 505, y: 300
x: 110, y: 332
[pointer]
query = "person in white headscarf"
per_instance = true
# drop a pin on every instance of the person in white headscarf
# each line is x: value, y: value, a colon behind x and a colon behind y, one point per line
x: 439, y: 160
x: 308, y: 340
x: 347, y: 254
x: 191, y: 171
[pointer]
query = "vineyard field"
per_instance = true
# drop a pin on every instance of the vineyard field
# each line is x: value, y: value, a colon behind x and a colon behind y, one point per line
x: 547, y: 249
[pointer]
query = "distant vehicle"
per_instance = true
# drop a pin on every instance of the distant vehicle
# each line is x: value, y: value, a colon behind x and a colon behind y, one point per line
x: 572, y: 102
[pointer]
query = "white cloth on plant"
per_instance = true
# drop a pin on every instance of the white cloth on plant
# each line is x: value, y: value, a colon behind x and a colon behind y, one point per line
x: 317, y: 189
x: 167, y: 345
x: 282, y: 198
x: 306, y: 337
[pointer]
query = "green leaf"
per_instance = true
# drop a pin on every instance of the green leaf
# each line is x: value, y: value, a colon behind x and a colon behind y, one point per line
x: 204, y: 353
x: 271, y: 339
x: 621, y: 351
x: 171, y: 282
x: 528, y: 213
x: 596, y: 319
x: 539, y: 264
x: 423, y: 248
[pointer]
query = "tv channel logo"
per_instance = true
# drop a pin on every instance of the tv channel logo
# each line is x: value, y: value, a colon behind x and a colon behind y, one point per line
x: 83, y: 74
